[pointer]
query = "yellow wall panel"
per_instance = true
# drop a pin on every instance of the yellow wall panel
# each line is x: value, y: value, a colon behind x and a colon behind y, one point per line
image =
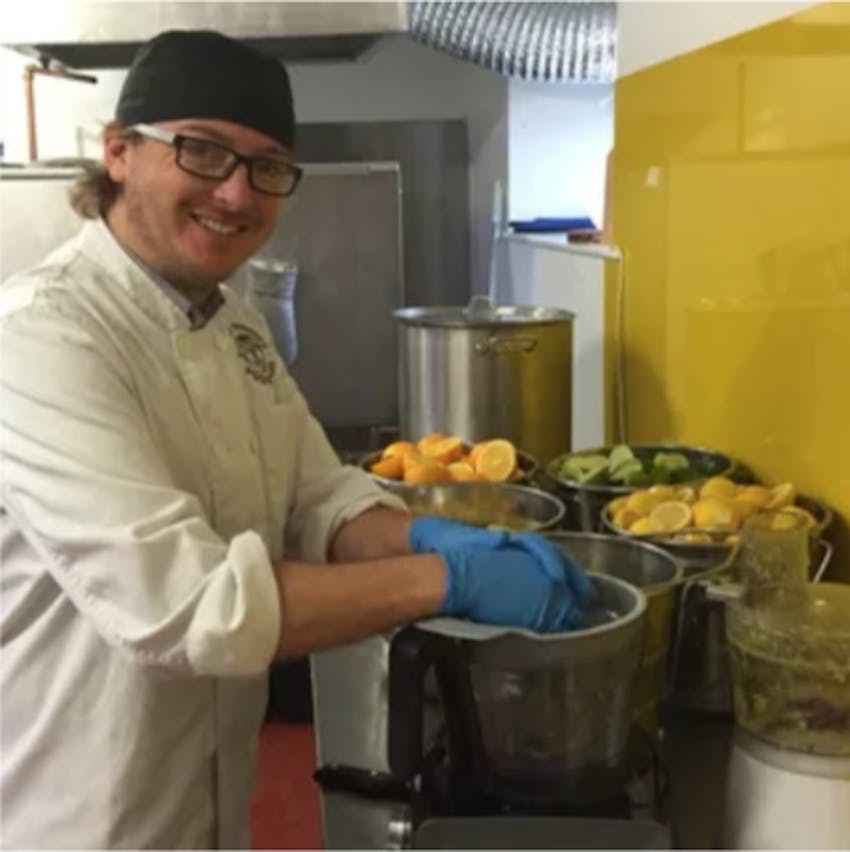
x: 731, y: 204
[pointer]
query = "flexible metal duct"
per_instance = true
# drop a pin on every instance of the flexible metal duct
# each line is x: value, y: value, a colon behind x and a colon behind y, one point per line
x: 554, y: 42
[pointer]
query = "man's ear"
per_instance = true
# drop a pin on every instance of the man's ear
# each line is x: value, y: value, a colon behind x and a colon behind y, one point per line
x: 115, y: 147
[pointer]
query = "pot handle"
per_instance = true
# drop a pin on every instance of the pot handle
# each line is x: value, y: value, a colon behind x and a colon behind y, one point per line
x: 368, y: 783
x: 410, y: 657
x: 506, y: 346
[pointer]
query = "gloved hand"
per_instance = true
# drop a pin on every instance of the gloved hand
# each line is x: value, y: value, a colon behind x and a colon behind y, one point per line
x: 507, y: 586
x: 431, y: 534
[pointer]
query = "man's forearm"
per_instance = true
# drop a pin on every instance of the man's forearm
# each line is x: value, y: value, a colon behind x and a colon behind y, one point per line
x: 374, y: 534
x: 327, y: 605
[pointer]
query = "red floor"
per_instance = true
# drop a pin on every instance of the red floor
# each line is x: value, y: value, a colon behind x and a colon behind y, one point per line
x: 285, y: 808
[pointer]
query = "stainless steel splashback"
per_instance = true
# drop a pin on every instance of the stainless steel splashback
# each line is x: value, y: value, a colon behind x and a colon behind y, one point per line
x: 434, y: 161
x: 343, y: 230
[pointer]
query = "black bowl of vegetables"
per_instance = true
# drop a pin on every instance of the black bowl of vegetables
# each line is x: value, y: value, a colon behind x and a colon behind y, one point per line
x: 587, y: 480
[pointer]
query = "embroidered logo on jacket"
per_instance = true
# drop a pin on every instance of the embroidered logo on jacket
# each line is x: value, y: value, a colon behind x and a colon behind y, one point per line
x: 255, y: 352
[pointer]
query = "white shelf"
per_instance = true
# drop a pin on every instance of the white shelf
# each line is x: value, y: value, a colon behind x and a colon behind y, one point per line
x: 558, y: 242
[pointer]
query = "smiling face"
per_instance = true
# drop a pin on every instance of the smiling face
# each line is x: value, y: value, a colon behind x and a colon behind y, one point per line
x: 192, y: 231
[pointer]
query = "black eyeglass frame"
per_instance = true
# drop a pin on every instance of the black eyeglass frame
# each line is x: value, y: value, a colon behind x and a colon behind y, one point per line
x: 177, y: 140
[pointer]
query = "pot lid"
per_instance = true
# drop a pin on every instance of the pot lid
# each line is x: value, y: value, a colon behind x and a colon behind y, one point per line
x: 467, y: 316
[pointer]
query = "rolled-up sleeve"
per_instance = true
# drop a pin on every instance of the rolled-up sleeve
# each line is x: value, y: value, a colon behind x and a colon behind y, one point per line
x: 84, y: 482
x: 327, y: 493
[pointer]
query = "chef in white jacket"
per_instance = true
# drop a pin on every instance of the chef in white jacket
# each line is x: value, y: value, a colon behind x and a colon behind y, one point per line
x: 173, y: 518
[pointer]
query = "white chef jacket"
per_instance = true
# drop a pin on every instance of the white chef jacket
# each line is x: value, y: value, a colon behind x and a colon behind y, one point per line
x: 151, y: 475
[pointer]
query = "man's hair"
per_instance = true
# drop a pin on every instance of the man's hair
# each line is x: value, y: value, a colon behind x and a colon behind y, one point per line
x: 93, y: 192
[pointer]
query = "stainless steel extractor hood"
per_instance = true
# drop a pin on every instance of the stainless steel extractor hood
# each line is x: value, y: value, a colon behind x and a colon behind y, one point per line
x: 551, y: 42
x: 92, y: 35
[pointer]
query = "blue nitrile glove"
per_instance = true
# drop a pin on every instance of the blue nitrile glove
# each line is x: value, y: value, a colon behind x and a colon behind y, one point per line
x: 553, y: 559
x: 431, y: 534
x: 506, y: 586
x: 427, y: 533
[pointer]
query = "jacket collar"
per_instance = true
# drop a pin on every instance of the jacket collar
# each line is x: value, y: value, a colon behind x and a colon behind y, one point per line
x: 148, y: 291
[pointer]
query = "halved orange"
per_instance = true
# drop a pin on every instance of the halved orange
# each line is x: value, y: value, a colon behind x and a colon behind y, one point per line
x: 389, y: 468
x: 445, y: 450
x: 429, y: 439
x: 411, y: 459
x: 462, y: 471
x: 496, y: 460
x: 427, y: 472
x: 476, y: 449
x: 398, y: 448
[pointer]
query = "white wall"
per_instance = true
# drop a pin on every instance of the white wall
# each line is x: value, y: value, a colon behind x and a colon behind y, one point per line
x: 559, y: 136
x: 648, y: 33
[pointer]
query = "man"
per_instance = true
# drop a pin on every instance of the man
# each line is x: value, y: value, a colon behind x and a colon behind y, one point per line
x: 173, y: 518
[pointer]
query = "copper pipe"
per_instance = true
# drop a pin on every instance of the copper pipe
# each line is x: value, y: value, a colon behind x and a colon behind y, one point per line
x: 29, y: 85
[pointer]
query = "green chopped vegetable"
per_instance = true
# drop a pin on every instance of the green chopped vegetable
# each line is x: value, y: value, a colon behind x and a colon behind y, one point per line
x: 624, y: 468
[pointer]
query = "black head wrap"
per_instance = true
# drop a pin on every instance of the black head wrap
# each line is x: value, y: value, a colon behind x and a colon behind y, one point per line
x: 204, y: 74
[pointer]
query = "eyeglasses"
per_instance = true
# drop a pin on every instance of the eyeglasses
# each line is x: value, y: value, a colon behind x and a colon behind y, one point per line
x: 212, y: 161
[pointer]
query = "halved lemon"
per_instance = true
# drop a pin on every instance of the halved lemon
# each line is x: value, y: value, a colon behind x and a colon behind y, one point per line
x: 671, y: 516
x: 798, y: 512
x: 643, y: 526
x: 781, y: 496
x: 758, y: 495
x: 624, y: 518
x: 718, y: 486
x: 642, y: 502
x: 745, y: 506
x: 692, y: 537
x: 714, y: 513
x: 615, y: 505
x: 663, y: 492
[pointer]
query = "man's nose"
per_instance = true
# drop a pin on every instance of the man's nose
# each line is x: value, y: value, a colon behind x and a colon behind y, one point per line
x: 236, y: 191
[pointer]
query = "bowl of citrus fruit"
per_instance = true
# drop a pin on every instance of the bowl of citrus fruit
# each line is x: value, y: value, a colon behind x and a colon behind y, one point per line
x: 439, y: 458
x: 493, y: 505
x: 589, y: 479
x: 707, y: 513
